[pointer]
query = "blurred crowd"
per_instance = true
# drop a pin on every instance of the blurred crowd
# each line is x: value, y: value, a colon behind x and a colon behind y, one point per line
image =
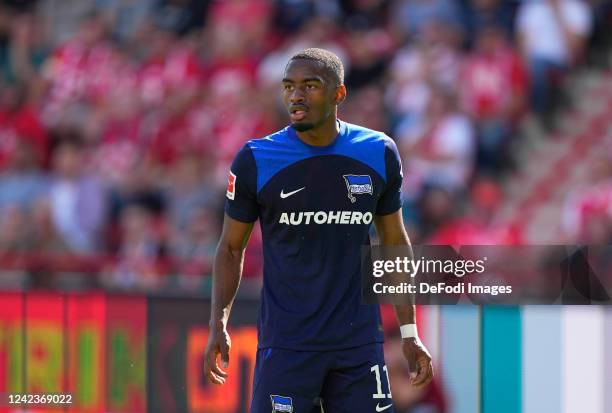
x: 119, y: 118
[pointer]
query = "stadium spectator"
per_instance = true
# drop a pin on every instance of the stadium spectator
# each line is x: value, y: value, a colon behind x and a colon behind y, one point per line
x: 63, y: 18
x: 42, y: 230
x: 431, y: 59
x: 20, y: 125
x: 240, y: 25
x: 22, y: 182
x: 411, y: 17
x: 601, y: 42
x: 597, y: 229
x: 476, y: 224
x: 291, y: 15
x: 439, y: 150
x: 169, y: 83
x: 367, y: 107
x: 25, y: 51
x: 126, y: 19
x: 122, y: 127
x: 250, y: 117
x: 142, y: 244
x: 76, y: 198
x: 186, y: 191
x: 493, y: 85
x: 479, y: 14
x: 320, y: 30
x: 552, y: 35
x: 194, y: 244
x: 142, y: 184
x: 77, y: 76
x: 23, y: 147
x: 181, y: 16
x: 369, y: 53
x: 435, y: 208
x: 169, y: 77
x: 587, y: 213
x: 19, y: 6
x: 13, y: 237
x: 365, y: 14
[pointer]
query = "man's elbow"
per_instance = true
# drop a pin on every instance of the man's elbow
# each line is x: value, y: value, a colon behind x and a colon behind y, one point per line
x: 394, y: 238
x: 229, y: 250
x: 399, y: 241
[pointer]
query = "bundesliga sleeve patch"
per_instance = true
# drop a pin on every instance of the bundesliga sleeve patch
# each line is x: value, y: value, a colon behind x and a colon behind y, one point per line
x: 231, y: 186
x: 281, y: 404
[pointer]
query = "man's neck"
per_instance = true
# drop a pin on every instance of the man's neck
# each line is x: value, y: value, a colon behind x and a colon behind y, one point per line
x: 323, y: 135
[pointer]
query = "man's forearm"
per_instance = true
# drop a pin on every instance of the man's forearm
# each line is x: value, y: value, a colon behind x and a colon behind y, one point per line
x: 227, y: 271
x: 404, y: 312
x: 392, y: 233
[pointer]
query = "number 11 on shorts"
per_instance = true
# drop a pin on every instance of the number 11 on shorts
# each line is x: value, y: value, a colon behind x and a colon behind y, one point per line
x: 379, y: 393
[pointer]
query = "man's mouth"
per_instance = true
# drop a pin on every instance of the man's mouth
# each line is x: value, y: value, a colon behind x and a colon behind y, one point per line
x: 298, y: 114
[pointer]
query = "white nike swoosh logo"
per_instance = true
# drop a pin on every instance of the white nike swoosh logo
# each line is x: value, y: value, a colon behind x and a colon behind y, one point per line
x: 288, y: 194
x: 380, y: 409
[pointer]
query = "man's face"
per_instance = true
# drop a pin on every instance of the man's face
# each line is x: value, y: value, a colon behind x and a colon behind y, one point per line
x: 309, y: 94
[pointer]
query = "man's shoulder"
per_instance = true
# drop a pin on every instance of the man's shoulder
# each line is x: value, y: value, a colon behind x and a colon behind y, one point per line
x: 361, y: 134
x: 274, y: 139
x: 369, y: 146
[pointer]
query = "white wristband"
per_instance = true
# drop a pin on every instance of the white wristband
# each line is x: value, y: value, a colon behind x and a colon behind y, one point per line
x: 409, y: 330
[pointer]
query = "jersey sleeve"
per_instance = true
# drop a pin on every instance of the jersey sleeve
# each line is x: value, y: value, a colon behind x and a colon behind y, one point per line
x: 391, y: 200
x: 241, y: 196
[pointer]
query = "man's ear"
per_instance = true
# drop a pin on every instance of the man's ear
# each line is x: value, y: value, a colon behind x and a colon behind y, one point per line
x: 340, y: 94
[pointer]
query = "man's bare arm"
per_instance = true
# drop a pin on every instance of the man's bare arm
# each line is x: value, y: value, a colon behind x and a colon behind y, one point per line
x: 227, y: 272
x: 391, y: 231
x: 227, y: 268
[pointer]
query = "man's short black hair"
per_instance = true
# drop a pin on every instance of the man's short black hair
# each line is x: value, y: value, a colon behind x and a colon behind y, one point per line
x: 329, y: 60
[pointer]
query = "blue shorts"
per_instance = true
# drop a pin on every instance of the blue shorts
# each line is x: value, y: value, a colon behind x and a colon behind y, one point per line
x: 342, y: 381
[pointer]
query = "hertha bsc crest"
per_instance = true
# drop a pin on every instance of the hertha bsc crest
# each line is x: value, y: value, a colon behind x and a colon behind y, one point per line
x: 281, y: 404
x: 358, y: 185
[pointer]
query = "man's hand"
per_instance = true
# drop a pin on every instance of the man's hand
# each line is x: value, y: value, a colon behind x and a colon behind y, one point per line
x: 219, y: 343
x: 419, y: 361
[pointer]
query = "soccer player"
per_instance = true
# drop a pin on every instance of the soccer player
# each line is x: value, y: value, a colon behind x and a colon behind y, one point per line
x: 315, y: 186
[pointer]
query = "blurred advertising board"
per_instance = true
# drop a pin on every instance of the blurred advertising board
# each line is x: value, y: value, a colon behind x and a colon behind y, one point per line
x: 119, y: 353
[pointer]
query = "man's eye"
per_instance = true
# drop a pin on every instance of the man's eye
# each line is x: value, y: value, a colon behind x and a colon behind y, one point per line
x: 311, y: 87
x: 288, y: 87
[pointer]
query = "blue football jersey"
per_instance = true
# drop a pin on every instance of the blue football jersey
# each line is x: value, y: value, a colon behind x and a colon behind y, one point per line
x: 315, y: 205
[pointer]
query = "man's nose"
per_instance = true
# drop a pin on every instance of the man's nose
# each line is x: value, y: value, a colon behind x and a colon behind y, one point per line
x: 297, y: 96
